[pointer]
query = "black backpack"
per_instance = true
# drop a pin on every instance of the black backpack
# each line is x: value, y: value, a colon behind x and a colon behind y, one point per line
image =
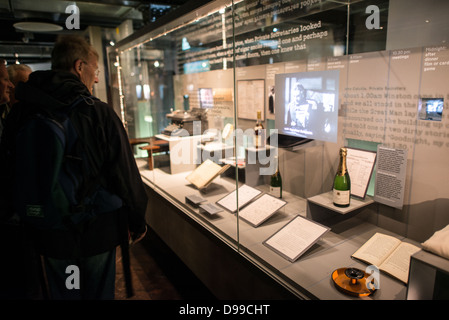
x: 53, y: 186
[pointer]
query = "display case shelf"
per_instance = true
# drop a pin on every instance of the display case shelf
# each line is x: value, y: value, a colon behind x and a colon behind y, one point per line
x: 309, y: 277
x: 325, y: 200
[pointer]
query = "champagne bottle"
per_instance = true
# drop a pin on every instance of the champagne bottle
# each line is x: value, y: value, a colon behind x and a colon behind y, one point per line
x: 259, y: 132
x: 276, y: 181
x: 342, y: 182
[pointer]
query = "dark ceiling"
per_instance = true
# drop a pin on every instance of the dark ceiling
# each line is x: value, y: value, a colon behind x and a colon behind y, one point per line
x: 32, y: 47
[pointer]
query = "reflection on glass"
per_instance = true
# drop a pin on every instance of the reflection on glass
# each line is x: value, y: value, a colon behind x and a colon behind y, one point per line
x: 431, y: 109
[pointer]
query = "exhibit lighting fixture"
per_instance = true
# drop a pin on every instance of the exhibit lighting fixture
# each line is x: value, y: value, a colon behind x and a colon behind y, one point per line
x: 122, y: 97
x: 190, y: 18
x: 31, y: 26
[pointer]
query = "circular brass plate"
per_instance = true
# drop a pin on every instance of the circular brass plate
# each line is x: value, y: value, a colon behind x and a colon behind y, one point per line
x: 347, y: 285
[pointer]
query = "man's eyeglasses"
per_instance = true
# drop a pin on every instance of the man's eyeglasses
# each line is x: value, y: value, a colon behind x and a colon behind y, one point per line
x: 97, y: 71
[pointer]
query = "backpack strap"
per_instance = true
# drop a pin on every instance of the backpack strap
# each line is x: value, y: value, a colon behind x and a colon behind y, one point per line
x: 89, y: 185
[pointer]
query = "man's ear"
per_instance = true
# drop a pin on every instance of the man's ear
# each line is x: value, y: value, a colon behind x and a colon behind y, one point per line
x: 77, y: 67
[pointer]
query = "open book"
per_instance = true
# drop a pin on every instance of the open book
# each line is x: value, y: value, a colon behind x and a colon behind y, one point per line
x: 388, y: 254
x: 205, y: 173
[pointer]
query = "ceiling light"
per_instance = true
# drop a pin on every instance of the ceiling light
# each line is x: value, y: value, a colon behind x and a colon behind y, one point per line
x: 37, y: 26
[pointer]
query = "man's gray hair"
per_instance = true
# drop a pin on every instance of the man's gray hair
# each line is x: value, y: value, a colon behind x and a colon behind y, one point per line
x: 68, y: 49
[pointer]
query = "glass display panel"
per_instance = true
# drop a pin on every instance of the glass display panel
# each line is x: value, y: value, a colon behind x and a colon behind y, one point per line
x: 380, y: 83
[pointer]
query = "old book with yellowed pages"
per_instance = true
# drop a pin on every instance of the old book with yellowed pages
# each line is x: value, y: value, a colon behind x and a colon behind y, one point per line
x: 388, y: 254
x: 205, y: 173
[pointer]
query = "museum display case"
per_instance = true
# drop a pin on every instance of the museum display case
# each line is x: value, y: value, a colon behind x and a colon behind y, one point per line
x: 371, y: 76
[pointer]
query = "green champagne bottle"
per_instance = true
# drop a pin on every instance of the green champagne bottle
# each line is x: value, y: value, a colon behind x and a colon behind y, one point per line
x: 342, y: 183
x: 276, y: 181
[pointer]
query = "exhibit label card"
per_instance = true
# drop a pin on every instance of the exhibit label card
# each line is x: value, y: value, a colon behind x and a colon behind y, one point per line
x: 292, y: 240
x: 390, y: 176
x: 194, y: 200
x: 210, y: 209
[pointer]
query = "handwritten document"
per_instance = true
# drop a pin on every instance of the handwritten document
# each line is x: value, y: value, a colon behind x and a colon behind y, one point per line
x: 296, y: 237
x: 245, y: 195
x: 360, y: 167
x: 261, y: 209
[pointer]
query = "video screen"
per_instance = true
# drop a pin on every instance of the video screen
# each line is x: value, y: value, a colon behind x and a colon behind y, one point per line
x: 431, y: 109
x: 306, y: 104
x: 206, y: 98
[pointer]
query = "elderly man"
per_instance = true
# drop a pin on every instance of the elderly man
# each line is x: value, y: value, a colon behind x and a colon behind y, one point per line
x: 79, y: 248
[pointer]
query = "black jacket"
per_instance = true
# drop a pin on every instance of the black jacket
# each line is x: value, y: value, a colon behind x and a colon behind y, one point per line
x: 107, y: 146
